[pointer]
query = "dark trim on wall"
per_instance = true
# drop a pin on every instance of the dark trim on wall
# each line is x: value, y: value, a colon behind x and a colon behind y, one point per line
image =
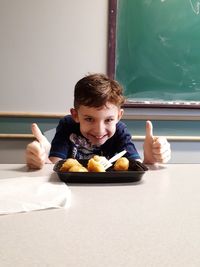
x: 111, y: 37
x: 31, y: 115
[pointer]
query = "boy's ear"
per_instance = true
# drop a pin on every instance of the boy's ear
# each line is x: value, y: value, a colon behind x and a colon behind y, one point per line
x: 74, y: 114
x: 120, y: 113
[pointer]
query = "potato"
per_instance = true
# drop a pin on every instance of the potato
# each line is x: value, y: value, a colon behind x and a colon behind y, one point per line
x: 68, y: 164
x: 122, y: 164
x: 94, y: 166
x: 78, y: 168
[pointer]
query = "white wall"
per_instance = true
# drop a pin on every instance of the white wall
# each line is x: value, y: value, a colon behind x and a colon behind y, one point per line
x: 46, y: 47
x: 12, y: 150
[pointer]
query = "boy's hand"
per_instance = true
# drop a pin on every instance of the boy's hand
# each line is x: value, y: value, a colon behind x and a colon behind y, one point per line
x: 156, y: 149
x: 37, y: 151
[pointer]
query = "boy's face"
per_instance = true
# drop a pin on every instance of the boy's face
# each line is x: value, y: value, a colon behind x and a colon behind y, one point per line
x: 97, y: 124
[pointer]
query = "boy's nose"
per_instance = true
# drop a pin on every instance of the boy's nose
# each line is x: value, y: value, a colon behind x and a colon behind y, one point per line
x: 99, y: 128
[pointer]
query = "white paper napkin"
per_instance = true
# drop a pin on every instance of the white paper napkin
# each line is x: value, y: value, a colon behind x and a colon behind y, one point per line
x: 23, y: 194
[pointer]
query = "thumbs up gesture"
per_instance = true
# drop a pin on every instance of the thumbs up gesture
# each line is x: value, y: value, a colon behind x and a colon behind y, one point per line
x: 37, y: 151
x: 156, y: 149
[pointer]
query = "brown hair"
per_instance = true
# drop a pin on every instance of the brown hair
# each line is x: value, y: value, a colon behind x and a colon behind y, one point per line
x: 95, y: 90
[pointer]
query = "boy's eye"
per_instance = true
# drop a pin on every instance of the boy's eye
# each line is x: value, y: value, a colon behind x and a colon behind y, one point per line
x: 88, y: 119
x: 109, y: 120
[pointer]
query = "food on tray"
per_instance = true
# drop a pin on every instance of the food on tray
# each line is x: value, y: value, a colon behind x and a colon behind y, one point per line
x: 94, y: 165
x: 69, y: 163
x: 97, y: 157
x: 122, y: 164
x: 78, y: 168
x: 72, y: 165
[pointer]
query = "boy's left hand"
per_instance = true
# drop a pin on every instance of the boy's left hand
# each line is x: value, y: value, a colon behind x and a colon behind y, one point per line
x: 156, y: 149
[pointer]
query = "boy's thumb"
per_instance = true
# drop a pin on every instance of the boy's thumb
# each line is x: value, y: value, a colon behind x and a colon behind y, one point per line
x: 37, y: 133
x: 149, y: 129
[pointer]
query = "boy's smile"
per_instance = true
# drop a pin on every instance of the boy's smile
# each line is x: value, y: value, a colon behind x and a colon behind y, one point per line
x: 97, y: 124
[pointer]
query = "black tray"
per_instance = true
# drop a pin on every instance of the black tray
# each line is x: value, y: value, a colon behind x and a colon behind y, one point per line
x: 134, y: 174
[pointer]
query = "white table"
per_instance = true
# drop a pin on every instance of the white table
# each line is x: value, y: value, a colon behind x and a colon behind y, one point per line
x: 155, y: 223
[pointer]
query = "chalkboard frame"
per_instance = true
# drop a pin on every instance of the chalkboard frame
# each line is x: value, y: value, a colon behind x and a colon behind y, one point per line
x: 111, y: 64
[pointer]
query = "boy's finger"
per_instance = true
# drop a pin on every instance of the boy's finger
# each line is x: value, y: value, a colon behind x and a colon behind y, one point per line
x: 149, y: 129
x: 160, y: 141
x: 37, y: 133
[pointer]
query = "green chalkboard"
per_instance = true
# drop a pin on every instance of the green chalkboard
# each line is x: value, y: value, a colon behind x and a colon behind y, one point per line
x: 157, y: 50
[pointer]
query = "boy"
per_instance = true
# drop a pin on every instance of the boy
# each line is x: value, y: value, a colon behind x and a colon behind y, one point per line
x: 94, y: 128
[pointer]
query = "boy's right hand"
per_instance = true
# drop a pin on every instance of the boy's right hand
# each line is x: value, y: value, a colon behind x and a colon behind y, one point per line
x: 37, y: 151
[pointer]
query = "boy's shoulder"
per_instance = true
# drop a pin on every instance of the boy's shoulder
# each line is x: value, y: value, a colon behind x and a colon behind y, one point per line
x: 121, y: 126
x: 122, y: 130
x: 68, y: 124
x: 67, y: 119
